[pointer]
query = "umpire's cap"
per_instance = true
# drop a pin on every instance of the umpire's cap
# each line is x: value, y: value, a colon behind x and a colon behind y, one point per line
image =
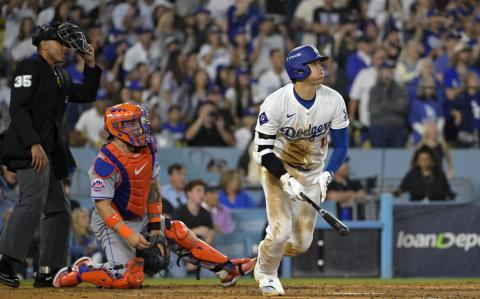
x: 297, y: 60
x: 66, y: 33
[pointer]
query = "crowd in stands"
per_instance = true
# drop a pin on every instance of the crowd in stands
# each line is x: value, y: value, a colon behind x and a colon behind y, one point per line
x: 204, y: 66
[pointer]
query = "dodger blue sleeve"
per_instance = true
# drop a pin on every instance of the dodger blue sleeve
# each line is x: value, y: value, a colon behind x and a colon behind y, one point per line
x: 340, y: 150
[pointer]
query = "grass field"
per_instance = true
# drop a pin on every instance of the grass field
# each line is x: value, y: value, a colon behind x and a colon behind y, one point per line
x: 247, y: 288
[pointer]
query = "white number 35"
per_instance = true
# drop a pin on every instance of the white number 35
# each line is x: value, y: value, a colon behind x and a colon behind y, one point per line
x: 23, y: 81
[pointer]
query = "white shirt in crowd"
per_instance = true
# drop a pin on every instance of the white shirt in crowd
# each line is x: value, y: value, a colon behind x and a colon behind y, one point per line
x: 221, y: 57
x: 91, y: 123
x: 135, y: 55
x: 270, y: 82
x: 361, y: 86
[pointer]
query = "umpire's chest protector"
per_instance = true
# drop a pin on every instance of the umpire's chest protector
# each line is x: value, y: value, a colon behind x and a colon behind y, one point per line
x: 135, y: 169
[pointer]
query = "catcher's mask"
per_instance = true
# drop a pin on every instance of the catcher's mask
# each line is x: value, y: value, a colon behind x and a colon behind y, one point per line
x: 125, y: 122
x: 66, y: 33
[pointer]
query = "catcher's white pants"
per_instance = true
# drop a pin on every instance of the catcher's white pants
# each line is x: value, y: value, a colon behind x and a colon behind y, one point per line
x: 290, y: 222
x: 117, y: 249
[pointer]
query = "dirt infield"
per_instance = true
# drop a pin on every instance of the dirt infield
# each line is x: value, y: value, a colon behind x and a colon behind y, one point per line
x: 247, y: 289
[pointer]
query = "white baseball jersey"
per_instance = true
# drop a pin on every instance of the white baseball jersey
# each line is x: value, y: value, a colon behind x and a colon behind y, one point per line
x: 302, y: 134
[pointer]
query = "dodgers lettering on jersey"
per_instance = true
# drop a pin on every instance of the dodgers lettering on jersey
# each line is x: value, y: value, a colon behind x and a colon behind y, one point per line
x: 302, y: 134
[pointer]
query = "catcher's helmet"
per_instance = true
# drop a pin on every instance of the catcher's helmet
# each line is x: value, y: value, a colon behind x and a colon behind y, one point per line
x: 125, y: 122
x: 297, y: 60
x: 66, y: 33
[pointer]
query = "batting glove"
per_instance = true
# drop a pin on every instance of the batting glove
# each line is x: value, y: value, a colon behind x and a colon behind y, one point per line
x: 292, y: 187
x: 323, y: 180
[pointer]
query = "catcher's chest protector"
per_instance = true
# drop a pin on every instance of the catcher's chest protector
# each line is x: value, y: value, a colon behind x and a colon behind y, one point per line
x: 131, y: 193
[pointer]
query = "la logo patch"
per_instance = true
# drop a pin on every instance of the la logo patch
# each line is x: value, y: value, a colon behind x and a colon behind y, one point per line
x: 97, y: 185
x: 262, y: 119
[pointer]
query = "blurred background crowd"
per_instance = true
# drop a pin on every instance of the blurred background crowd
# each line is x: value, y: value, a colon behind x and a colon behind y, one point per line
x: 408, y: 71
x: 204, y: 66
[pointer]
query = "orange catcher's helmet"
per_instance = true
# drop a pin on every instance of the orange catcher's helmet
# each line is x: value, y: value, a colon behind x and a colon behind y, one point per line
x: 125, y: 122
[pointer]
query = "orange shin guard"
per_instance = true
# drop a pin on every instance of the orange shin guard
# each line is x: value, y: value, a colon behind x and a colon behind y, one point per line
x: 200, y: 250
x: 98, y: 277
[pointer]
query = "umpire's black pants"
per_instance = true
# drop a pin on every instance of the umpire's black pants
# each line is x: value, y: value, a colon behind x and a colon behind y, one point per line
x: 41, y: 194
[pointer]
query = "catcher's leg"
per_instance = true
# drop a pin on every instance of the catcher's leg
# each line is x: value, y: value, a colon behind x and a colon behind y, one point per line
x: 84, y: 271
x: 210, y: 258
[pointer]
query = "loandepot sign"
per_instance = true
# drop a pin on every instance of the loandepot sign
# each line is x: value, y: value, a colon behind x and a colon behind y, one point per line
x: 465, y: 241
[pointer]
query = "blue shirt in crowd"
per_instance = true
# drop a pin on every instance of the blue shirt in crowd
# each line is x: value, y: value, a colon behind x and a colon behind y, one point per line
x: 243, y: 200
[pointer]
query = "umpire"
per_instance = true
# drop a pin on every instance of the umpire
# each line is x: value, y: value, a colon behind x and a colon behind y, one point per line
x: 34, y: 148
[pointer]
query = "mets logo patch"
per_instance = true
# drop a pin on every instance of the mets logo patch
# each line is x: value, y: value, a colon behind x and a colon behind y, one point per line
x: 98, y: 185
x: 262, y: 119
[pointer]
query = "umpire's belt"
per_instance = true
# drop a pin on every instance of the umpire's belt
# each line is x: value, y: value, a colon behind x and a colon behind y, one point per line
x: 299, y: 167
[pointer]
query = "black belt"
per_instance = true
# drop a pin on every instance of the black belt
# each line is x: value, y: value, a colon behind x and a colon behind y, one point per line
x: 299, y: 167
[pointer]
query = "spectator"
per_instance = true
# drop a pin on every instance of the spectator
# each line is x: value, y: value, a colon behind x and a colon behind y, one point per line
x: 140, y: 51
x: 216, y: 166
x: 232, y: 194
x: 82, y: 241
x: 173, y: 86
x: 472, y: 117
x: 432, y: 138
x: 193, y: 215
x: 345, y: 192
x: 209, y: 128
x: 454, y: 77
x: 89, y: 128
x: 243, y: 15
x: 198, y: 219
x: 359, y: 60
x: 244, y: 134
x: 425, y: 181
x: 214, y: 53
x: 241, y: 49
x: 274, y: 78
x: 406, y: 69
x: 22, y: 47
x: 174, y: 192
x: 222, y: 219
x: 424, y: 108
x: 198, y: 92
x: 270, y: 36
x: 174, y: 126
x: 388, y: 107
x: 360, y: 93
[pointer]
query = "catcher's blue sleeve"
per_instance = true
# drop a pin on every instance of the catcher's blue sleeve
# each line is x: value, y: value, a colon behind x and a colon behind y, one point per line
x: 340, y: 151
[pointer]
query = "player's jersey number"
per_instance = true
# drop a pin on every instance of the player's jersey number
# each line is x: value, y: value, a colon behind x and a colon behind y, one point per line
x: 23, y: 81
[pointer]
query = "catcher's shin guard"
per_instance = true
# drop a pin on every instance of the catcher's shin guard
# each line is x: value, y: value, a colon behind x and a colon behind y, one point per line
x: 200, y: 250
x: 132, y: 279
x: 70, y: 276
x: 98, y: 277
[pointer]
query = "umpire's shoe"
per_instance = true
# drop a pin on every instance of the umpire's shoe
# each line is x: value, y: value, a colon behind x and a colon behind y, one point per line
x: 44, y: 279
x: 7, y: 276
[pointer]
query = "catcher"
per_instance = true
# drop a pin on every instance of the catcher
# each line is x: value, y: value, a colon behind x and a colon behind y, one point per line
x: 127, y: 202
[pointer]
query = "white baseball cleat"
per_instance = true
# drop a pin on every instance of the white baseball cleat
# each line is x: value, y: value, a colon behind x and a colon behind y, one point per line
x: 271, y: 286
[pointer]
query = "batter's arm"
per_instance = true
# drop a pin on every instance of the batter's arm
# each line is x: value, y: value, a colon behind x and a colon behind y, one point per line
x: 265, y: 144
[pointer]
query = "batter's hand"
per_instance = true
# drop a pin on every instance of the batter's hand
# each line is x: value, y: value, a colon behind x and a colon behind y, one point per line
x: 292, y: 187
x: 323, y: 180
x: 138, y: 241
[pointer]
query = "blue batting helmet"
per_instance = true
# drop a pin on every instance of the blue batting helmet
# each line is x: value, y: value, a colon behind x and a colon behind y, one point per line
x: 297, y: 60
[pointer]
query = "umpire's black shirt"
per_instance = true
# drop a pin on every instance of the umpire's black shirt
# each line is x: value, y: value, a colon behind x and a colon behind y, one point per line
x: 38, y: 100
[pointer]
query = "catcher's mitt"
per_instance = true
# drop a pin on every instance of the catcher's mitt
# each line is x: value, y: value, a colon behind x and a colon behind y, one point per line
x: 157, y: 256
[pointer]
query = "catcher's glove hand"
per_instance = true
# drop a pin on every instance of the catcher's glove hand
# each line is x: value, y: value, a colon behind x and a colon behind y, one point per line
x: 157, y: 256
